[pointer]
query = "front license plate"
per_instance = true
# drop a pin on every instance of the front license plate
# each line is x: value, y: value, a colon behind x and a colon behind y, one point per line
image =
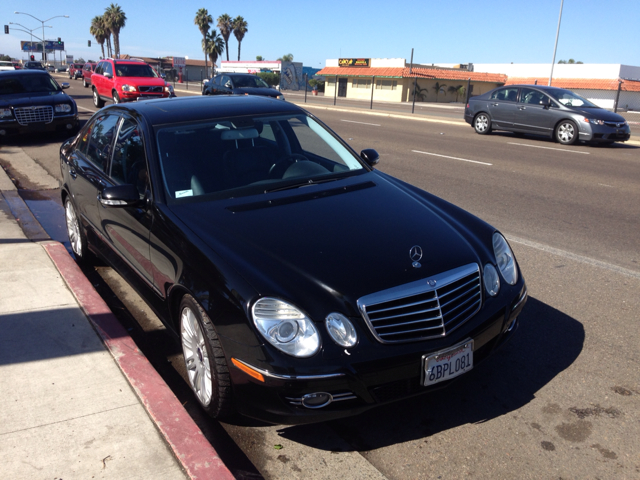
x: 447, y: 364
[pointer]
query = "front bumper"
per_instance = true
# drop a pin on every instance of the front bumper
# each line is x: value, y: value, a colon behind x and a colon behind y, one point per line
x: 358, y: 384
x: 604, y: 133
x: 59, y: 123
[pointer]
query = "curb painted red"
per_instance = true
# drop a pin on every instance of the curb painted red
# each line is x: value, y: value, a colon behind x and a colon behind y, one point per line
x: 187, y: 441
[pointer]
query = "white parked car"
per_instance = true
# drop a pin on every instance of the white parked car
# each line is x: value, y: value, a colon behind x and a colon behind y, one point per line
x: 6, y: 65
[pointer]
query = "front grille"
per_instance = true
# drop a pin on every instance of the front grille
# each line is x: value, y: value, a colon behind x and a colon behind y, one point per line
x: 155, y: 89
x: 28, y: 115
x: 428, y: 308
x: 614, y: 124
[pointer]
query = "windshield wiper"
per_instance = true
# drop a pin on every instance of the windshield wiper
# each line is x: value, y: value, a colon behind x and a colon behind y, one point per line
x: 302, y: 183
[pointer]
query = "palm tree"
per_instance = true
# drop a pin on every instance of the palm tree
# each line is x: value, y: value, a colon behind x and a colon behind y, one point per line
x: 439, y: 88
x: 239, y: 30
x: 421, y: 93
x: 203, y: 20
x: 259, y: 58
x: 225, y: 24
x: 214, y: 47
x: 286, y: 58
x: 97, y: 30
x: 115, y: 19
x: 455, y: 90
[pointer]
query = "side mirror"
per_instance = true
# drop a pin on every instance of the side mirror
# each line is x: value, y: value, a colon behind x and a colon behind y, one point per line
x: 120, y: 196
x: 64, y: 85
x: 546, y: 103
x: 370, y: 156
x: 107, y: 74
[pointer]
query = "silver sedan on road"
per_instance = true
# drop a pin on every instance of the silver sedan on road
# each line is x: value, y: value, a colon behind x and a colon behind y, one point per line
x: 540, y: 110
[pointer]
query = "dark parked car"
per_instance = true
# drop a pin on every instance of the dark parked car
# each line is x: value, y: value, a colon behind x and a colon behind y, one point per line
x: 303, y: 284
x: 239, y: 84
x: 551, y: 111
x: 32, y: 101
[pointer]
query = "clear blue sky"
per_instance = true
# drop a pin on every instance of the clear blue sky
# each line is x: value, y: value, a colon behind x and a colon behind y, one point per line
x: 489, y: 31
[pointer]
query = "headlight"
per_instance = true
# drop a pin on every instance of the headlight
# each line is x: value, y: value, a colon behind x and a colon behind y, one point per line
x: 168, y: 88
x: 5, y: 113
x: 128, y: 88
x: 505, y: 259
x: 280, y: 97
x: 285, y: 327
x: 63, y: 108
x: 595, y: 121
x: 491, y: 280
x: 341, y: 330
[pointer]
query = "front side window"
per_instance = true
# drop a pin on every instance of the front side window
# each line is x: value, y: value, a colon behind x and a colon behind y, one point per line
x: 99, y: 138
x: 532, y: 96
x: 249, y: 82
x: 108, y: 68
x: 247, y: 156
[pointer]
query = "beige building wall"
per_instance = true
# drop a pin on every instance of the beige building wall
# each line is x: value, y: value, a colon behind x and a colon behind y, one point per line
x: 427, y: 89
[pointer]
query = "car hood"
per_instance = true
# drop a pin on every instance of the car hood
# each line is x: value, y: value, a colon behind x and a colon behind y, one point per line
x: 266, y: 92
x: 600, y: 114
x: 331, y: 242
x: 36, y: 98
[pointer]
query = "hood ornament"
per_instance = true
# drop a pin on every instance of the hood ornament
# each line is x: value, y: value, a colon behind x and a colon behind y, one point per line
x: 416, y: 255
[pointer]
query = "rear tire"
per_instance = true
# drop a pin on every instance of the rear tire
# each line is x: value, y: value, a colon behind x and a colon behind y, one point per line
x: 84, y: 83
x: 567, y: 132
x: 482, y: 124
x: 204, y: 359
x: 97, y: 101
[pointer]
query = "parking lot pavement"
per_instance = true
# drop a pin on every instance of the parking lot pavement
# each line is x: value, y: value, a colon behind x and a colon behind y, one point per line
x: 79, y: 399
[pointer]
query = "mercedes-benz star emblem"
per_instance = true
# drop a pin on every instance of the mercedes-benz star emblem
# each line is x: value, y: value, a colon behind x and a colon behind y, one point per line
x: 416, y: 255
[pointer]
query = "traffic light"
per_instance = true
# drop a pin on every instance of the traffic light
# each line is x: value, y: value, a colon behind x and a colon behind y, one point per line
x: 88, y: 43
x: 59, y: 41
x: 6, y: 29
x: 32, y: 58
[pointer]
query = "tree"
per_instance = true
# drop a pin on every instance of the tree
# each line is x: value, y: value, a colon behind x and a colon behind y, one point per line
x: 571, y: 61
x: 286, y: 58
x: 239, y: 30
x: 5, y: 57
x: 439, y: 88
x: 80, y: 60
x: 225, y: 24
x: 456, y: 90
x: 98, y: 30
x: 259, y: 58
x: 420, y: 93
x: 213, y: 46
x: 202, y: 21
x: 115, y: 19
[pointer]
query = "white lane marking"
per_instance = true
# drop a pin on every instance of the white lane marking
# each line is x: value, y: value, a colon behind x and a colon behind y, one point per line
x: 361, y: 123
x: 605, y: 185
x: 86, y: 109
x: 548, y: 148
x: 573, y: 256
x: 452, y: 158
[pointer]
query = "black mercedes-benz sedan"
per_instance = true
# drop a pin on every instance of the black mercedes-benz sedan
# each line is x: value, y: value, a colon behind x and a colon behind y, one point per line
x: 302, y: 283
x: 31, y: 101
x: 541, y: 110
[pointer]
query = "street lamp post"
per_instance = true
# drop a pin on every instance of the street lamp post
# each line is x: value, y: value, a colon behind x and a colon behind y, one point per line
x: 44, y: 60
x: 556, y: 45
x: 30, y: 31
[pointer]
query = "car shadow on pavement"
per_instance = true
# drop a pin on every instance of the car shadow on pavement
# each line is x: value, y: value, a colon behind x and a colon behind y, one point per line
x: 546, y: 343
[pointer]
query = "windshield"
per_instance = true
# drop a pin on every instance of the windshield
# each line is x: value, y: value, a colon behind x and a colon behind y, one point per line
x: 132, y: 70
x: 248, y: 156
x: 16, y: 84
x: 570, y: 99
x: 249, y: 82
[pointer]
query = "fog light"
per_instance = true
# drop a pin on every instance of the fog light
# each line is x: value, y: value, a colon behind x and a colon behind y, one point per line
x: 3, y: 132
x: 69, y: 126
x: 317, y: 400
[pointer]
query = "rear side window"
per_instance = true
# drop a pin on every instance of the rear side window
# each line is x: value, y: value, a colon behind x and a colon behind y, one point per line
x: 100, y: 138
x: 506, y: 94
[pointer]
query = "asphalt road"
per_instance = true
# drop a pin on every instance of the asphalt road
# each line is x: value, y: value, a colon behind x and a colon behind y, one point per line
x: 561, y: 400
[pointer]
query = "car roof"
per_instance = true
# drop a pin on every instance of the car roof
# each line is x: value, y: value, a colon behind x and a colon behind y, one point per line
x: 540, y: 87
x: 237, y: 74
x: 207, y: 107
x: 22, y: 72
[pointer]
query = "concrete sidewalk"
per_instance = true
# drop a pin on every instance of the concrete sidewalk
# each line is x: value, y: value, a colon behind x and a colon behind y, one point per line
x: 79, y: 400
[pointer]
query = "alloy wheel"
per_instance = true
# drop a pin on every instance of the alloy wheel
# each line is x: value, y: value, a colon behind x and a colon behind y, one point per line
x: 196, y: 356
x: 566, y: 132
x: 73, y: 229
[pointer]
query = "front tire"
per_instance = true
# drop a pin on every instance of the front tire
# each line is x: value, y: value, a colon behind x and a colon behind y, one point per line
x: 482, y: 124
x: 204, y: 359
x: 567, y: 132
x: 77, y: 238
x: 97, y: 101
x: 116, y: 98
x: 84, y: 83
